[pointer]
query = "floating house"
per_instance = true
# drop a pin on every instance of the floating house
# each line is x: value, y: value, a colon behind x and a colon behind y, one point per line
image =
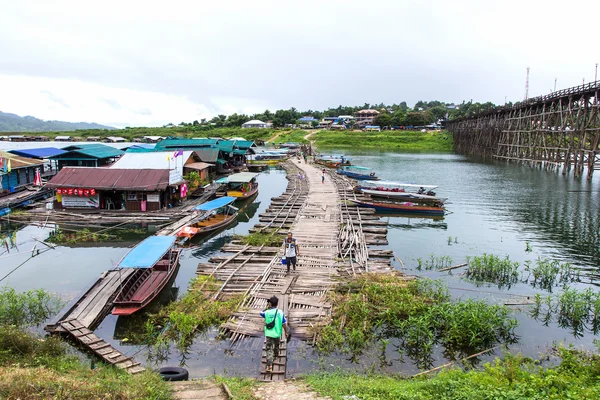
x: 16, y: 172
x: 179, y: 163
x: 87, y: 155
x: 115, y: 189
x: 115, y: 139
x: 49, y: 167
x: 62, y: 139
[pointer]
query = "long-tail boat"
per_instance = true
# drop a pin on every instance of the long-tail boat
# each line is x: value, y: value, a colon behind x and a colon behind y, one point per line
x: 213, y: 215
x: 241, y: 185
x: 404, y: 208
x: 357, y: 172
x: 155, y: 260
x: 400, y: 191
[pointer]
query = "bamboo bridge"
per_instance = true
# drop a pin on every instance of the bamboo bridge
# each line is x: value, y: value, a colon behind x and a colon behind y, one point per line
x: 334, y: 239
x: 558, y: 130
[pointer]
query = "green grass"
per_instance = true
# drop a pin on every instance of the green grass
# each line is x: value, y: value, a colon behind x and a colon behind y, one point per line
x: 241, y: 388
x: 267, y: 238
x: 516, y: 377
x: 416, y: 141
x: 292, y: 136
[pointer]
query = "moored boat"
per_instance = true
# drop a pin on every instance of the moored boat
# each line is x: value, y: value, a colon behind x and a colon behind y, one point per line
x: 357, y: 172
x: 241, y: 185
x: 216, y: 214
x: 155, y: 260
x: 267, y: 158
x: 404, y: 208
x: 400, y: 191
x: 332, y: 160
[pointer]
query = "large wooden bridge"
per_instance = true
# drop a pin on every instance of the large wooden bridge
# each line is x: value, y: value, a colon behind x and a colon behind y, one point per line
x: 559, y: 130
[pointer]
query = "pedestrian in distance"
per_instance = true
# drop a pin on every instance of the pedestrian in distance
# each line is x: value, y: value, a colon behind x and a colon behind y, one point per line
x: 323, y: 178
x: 275, y: 323
x: 291, y: 251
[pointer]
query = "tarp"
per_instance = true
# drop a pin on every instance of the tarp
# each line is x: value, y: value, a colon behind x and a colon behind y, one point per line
x: 148, y: 252
x: 43, y: 152
x: 220, y: 202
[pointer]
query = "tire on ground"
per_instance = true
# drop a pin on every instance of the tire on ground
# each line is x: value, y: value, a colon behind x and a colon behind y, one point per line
x: 173, y: 374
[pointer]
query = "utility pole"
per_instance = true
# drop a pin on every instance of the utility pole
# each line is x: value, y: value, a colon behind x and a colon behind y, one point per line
x: 555, y: 84
x: 527, y: 85
x: 596, y: 73
x: 583, y: 81
x: 504, y: 100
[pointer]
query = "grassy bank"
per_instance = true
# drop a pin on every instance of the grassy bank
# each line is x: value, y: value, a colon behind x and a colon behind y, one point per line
x: 430, y: 141
x: 292, y: 136
x: 515, y: 377
x: 32, y: 367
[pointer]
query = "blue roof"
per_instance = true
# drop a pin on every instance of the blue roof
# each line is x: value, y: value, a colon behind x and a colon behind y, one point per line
x: 43, y: 152
x: 220, y: 202
x: 306, y: 119
x: 148, y: 252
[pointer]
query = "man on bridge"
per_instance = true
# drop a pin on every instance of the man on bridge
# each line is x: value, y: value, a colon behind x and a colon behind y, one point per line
x: 275, y: 322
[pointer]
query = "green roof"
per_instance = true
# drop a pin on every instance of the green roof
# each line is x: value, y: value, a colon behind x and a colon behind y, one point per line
x: 180, y: 144
x: 91, y: 150
x: 208, y: 154
x: 240, y: 151
x: 226, y: 145
x: 221, y: 161
x: 244, y: 144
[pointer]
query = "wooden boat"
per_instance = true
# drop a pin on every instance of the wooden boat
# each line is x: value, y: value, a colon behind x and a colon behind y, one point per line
x: 404, y: 208
x: 357, y: 172
x: 215, y: 214
x: 400, y: 191
x: 332, y: 161
x: 267, y: 157
x: 241, y: 185
x: 155, y: 260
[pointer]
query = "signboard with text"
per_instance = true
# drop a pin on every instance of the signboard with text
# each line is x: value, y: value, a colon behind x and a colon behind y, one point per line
x: 81, y: 202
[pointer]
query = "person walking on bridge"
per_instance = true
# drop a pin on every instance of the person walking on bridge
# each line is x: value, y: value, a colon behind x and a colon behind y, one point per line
x: 292, y: 251
x: 275, y: 323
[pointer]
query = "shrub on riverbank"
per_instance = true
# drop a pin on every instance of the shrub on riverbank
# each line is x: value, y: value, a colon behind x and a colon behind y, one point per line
x: 417, y: 313
x: 32, y: 367
x: 430, y: 141
x: 515, y: 377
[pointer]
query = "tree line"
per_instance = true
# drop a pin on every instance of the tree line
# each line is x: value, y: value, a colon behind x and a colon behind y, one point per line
x: 423, y: 113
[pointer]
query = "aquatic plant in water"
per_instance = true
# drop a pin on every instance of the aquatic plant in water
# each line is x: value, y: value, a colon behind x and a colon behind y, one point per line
x: 434, y: 262
x: 491, y: 268
x: 418, y: 313
x: 547, y: 274
x: 576, y: 310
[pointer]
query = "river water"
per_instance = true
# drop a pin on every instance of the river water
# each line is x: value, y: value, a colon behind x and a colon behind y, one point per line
x: 494, y: 208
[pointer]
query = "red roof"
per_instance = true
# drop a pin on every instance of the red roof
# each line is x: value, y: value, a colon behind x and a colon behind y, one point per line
x: 110, y: 178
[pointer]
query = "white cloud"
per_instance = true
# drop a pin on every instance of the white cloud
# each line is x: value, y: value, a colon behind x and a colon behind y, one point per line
x: 183, y: 60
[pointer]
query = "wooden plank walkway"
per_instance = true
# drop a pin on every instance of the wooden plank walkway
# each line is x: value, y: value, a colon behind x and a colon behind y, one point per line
x: 101, y: 348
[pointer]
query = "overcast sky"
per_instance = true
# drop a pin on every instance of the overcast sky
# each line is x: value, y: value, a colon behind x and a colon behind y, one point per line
x: 134, y: 63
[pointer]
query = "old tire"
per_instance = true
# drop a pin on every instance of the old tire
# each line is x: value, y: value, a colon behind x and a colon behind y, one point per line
x: 173, y: 374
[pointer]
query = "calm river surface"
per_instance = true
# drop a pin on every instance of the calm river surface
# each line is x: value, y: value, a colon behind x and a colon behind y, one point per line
x: 495, y: 208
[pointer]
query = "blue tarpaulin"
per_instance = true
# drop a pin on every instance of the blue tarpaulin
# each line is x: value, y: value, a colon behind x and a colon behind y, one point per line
x: 148, y: 252
x: 211, y: 205
x: 42, y: 152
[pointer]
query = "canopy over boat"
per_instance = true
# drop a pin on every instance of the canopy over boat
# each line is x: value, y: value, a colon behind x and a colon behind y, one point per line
x: 392, y: 183
x: 332, y: 156
x: 214, y: 204
x: 356, y: 167
x: 148, y: 252
x: 242, y: 177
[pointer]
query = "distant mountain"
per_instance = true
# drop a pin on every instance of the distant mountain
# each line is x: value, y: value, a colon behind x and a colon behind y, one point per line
x: 15, y: 123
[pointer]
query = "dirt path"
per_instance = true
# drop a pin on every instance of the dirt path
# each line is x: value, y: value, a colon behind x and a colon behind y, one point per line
x: 308, y: 136
x: 274, y: 137
x: 288, y: 390
x: 198, y: 390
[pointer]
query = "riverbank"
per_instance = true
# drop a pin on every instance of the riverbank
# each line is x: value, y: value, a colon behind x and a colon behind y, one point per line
x: 398, y: 141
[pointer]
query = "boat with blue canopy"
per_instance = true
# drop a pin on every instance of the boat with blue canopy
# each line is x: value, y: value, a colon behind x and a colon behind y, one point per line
x: 357, y: 172
x: 155, y: 260
x: 212, y: 215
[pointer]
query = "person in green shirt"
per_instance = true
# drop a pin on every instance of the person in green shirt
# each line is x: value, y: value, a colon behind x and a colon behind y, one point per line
x: 275, y: 323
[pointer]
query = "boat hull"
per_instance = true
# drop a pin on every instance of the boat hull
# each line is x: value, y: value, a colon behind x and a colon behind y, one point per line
x: 197, y: 229
x: 354, y: 175
x: 402, y: 208
x: 401, y: 196
x: 242, y: 195
x: 130, y: 301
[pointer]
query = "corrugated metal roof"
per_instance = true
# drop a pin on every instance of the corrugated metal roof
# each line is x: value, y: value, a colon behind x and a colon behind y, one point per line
x: 180, y: 144
x: 209, y: 154
x: 245, y: 144
x: 110, y: 178
x: 93, y: 150
x: 226, y: 145
x: 19, y: 162
x: 241, y: 177
x: 43, y: 152
x: 198, y: 165
x: 152, y: 160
